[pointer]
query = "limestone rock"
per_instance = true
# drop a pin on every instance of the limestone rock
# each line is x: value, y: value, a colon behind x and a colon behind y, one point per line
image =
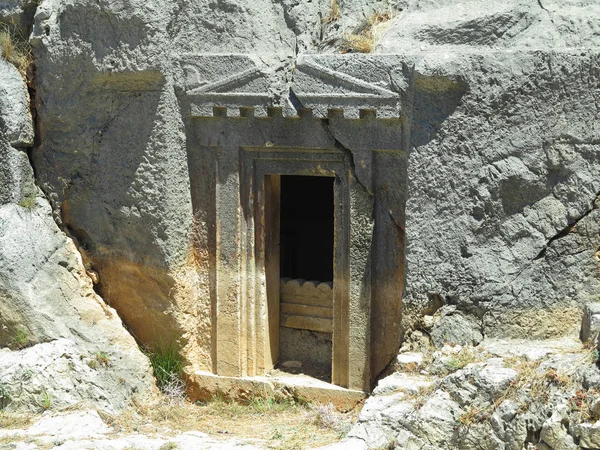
x: 590, y: 325
x: 588, y: 434
x: 479, y: 384
x: 555, y: 434
x: 17, y: 12
x: 487, y: 405
x: 50, y: 315
x: 398, y: 381
x: 15, y: 116
x: 16, y: 133
x: 455, y: 327
x: 86, y: 430
x: 409, y: 362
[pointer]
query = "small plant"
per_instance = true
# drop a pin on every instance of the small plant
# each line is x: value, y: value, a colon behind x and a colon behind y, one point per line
x: 28, y: 202
x: 460, y: 360
x: 21, y: 337
x: 334, y: 12
x: 167, y: 364
x: 102, y: 358
x: 92, y: 364
x: 366, y: 35
x: 45, y: 400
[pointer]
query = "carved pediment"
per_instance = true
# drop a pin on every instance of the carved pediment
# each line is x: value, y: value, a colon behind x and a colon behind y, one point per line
x: 230, y: 81
x: 323, y: 82
x: 318, y: 83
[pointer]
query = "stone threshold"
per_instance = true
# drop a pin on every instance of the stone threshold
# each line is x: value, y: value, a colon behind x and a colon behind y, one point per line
x: 203, y: 386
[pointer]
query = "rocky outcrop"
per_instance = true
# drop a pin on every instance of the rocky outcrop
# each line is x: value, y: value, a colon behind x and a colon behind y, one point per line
x: 61, y: 344
x: 509, y: 395
x: 86, y: 429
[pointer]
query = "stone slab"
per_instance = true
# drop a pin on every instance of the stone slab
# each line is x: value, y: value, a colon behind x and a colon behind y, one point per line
x: 205, y: 385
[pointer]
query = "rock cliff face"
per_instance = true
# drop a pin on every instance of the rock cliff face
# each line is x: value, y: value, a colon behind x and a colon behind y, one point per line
x: 61, y: 344
x: 501, y: 104
x: 502, y: 216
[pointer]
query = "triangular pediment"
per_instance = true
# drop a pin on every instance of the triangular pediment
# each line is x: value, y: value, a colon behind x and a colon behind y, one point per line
x: 346, y: 82
x: 318, y: 82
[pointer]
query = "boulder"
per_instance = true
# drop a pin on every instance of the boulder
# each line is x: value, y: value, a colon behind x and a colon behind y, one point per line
x: 590, y: 325
x: 456, y: 328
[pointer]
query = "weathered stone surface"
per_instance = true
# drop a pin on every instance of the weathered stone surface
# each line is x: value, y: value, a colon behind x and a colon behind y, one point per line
x: 590, y: 325
x: 86, y: 430
x: 493, y: 403
x: 555, y: 434
x: 500, y: 112
x: 511, y: 157
x: 15, y: 117
x: 402, y: 382
x: 588, y: 434
x: 17, y: 12
x: 16, y: 133
x: 47, y: 302
x: 63, y: 373
x: 455, y: 327
x: 502, y: 167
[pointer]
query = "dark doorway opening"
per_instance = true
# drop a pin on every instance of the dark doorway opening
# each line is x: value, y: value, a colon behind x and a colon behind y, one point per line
x: 306, y: 236
x: 306, y: 228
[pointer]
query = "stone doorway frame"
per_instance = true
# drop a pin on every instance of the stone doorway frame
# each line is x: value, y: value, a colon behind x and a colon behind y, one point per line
x: 232, y: 160
x: 261, y: 179
x: 350, y: 353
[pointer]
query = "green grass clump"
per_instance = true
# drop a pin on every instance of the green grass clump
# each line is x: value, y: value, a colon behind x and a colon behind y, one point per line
x: 28, y: 202
x: 166, y: 365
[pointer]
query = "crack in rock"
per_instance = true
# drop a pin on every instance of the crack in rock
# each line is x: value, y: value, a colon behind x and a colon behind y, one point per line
x: 566, y: 230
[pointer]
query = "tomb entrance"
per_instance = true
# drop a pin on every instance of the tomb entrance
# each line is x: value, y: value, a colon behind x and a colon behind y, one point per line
x: 300, y: 219
x: 306, y: 239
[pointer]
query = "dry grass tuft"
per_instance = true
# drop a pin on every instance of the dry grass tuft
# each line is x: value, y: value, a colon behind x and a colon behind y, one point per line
x: 334, y: 12
x: 535, y: 382
x: 12, y: 420
x: 365, y: 37
x: 422, y: 395
x: 473, y: 415
x: 15, y: 48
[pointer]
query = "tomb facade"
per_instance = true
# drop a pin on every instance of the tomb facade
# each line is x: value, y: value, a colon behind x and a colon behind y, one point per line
x: 300, y: 218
